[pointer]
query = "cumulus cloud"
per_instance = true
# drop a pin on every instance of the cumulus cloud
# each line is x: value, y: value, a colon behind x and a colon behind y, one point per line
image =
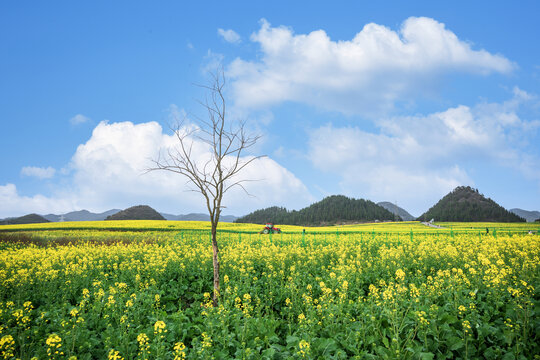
x: 364, y: 75
x: 38, y: 172
x: 230, y: 36
x: 419, y: 158
x: 109, y: 171
x: 79, y: 119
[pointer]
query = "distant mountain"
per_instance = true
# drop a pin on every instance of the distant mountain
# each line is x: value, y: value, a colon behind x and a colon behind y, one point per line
x: 169, y: 216
x: 394, y: 209
x: 194, y: 217
x: 228, y: 218
x: 530, y: 216
x: 467, y: 204
x: 140, y: 212
x: 85, y: 215
x: 331, y: 210
x: 26, y: 219
x: 198, y: 217
x: 81, y: 215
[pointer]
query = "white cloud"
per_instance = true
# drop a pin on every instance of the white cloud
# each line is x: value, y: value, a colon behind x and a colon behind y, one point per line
x: 79, y: 119
x: 364, y: 75
x: 230, y: 36
x: 109, y: 171
x: 418, y: 159
x: 12, y: 204
x: 39, y: 172
x: 382, y: 167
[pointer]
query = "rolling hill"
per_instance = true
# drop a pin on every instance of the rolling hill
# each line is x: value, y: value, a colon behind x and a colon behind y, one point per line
x: 140, y: 212
x: 467, y: 204
x: 331, y: 210
x: 26, y: 219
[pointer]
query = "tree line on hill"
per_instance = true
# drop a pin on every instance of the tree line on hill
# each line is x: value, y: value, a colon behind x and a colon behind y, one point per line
x: 139, y: 212
x: 467, y: 204
x: 331, y: 210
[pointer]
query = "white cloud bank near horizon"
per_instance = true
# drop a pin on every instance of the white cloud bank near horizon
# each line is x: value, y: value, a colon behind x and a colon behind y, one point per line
x: 418, y: 159
x: 108, y: 171
x: 366, y: 74
x: 14, y: 204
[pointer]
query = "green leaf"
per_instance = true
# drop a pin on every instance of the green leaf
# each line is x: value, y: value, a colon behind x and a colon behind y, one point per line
x: 426, y: 356
x: 456, y: 344
x: 268, y: 353
x: 508, y: 356
x: 292, y: 339
x: 326, y: 345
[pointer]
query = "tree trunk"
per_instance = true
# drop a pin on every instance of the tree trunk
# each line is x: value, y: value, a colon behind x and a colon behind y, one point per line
x: 215, y: 259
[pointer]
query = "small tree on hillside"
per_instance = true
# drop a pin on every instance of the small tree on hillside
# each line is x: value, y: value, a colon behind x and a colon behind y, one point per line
x: 227, y: 142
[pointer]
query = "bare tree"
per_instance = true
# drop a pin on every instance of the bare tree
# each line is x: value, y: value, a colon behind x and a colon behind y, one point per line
x: 214, y: 176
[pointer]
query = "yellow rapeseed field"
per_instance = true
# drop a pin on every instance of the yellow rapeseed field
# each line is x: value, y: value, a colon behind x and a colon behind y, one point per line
x: 93, y: 292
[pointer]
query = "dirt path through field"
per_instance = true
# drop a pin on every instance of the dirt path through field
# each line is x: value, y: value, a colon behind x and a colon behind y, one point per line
x: 432, y: 225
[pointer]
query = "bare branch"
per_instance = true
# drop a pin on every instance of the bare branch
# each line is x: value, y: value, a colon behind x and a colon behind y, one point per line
x: 227, y: 142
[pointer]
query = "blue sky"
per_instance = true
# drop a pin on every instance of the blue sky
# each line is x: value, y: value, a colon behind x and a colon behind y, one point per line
x: 388, y: 101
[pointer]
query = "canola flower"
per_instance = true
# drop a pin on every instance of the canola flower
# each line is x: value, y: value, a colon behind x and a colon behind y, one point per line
x: 54, y: 344
x: 466, y: 327
x: 179, y: 351
x: 159, y: 327
x: 206, y: 340
x: 303, y: 347
x: 144, y: 346
x: 114, y: 355
x: 7, y: 346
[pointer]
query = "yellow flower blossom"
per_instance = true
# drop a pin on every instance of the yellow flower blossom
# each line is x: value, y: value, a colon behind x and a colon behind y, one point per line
x: 114, y: 355
x: 207, y: 341
x: 400, y: 274
x: 159, y: 327
x: 179, y: 351
x: 54, y: 344
x: 7, y: 346
x: 303, y: 347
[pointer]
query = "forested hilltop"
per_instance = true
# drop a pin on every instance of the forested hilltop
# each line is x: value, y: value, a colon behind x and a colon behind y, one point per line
x: 467, y: 204
x: 139, y: 212
x: 331, y: 210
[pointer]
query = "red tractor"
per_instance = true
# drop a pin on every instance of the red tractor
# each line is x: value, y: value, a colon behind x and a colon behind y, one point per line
x: 270, y: 229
